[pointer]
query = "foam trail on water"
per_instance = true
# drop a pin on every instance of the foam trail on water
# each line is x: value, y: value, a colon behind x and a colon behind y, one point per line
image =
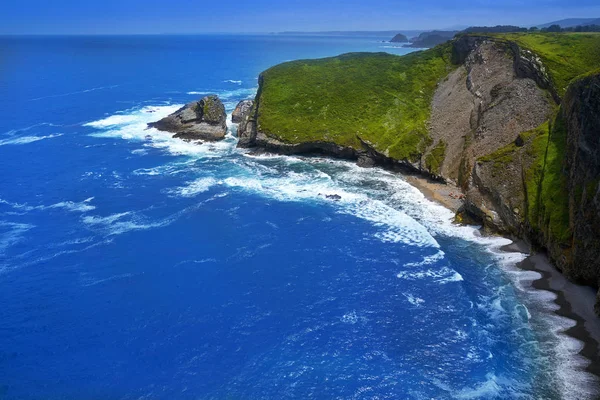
x: 73, y: 93
x: 12, y: 233
x: 27, y: 139
x: 73, y: 206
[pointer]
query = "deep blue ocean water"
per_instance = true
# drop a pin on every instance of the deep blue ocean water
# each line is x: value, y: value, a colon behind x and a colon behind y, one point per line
x: 137, y: 266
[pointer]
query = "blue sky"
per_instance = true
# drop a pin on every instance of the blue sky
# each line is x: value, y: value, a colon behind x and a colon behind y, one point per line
x: 191, y: 16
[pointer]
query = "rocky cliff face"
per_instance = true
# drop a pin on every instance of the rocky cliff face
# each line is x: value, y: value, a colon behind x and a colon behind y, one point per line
x: 241, y: 111
x: 200, y: 120
x: 581, y: 111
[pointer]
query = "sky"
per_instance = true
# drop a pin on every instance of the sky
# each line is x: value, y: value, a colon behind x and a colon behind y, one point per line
x: 202, y: 16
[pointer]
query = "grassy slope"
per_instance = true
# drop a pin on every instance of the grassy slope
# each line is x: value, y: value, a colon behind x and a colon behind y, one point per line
x: 381, y: 98
x: 566, y: 55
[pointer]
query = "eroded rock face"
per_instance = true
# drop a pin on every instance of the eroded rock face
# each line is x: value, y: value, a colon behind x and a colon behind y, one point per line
x: 200, y: 120
x: 483, y: 106
x: 241, y: 111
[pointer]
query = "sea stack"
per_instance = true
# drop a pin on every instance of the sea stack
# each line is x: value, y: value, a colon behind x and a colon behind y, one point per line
x: 200, y: 120
x: 399, y: 38
x: 241, y: 110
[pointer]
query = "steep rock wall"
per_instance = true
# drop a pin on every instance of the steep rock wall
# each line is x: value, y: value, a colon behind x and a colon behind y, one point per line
x: 581, y: 111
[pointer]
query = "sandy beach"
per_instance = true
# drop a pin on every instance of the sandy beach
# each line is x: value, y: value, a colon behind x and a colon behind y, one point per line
x: 575, y: 302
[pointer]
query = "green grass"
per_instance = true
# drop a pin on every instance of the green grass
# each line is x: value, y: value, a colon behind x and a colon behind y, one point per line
x: 435, y: 158
x: 546, y: 181
x: 381, y: 98
x: 565, y: 55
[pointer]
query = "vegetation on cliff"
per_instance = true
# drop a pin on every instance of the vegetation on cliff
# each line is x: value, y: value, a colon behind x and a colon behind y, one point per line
x: 379, y: 98
x: 566, y: 55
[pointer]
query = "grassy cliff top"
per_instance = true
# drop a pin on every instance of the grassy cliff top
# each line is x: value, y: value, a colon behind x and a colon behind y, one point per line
x: 566, y: 55
x: 381, y: 98
x: 385, y: 99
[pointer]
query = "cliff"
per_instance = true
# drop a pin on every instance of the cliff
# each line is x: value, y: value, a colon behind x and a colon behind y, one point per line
x: 509, y: 118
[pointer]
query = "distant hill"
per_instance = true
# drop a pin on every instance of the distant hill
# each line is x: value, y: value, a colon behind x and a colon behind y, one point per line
x: 572, y: 22
x: 431, y: 39
x: 399, y: 38
x: 494, y: 29
x: 350, y: 33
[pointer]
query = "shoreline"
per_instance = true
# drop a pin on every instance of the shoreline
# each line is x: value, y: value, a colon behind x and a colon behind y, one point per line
x: 575, y: 302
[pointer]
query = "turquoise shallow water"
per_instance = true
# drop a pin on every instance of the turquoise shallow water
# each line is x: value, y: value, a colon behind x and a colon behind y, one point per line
x: 134, y: 268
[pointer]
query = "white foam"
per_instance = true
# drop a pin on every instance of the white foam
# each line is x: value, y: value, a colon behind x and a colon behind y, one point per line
x: 414, y: 300
x: 113, y: 120
x: 441, y: 275
x: 428, y: 260
x: 133, y: 125
x: 196, y: 187
x: 19, y: 140
x: 116, y: 224
x: 233, y: 81
x: 82, y: 206
x: 12, y: 234
x: 395, y: 226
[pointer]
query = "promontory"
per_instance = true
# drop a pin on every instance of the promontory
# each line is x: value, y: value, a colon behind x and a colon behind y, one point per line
x: 513, y: 120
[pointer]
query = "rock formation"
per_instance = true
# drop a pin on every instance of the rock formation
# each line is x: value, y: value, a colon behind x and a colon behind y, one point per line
x: 241, y: 111
x: 199, y: 120
x: 399, y: 38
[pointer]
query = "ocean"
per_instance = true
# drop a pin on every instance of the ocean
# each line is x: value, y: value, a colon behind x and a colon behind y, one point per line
x: 137, y: 266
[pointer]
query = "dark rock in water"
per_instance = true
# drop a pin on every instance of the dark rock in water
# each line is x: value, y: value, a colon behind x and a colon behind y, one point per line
x: 365, y: 161
x: 241, y: 111
x: 399, y: 38
x: 204, y: 119
x: 335, y: 197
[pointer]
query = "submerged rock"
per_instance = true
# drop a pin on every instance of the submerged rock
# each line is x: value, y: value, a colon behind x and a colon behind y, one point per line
x: 241, y: 111
x: 199, y: 120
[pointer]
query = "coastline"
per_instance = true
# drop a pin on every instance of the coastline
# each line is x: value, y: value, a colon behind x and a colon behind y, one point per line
x: 575, y: 302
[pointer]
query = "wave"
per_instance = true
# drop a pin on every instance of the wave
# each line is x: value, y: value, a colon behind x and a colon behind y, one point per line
x: 109, y: 279
x: 82, y: 207
x: 12, y: 233
x: 13, y: 132
x: 27, y: 139
x: 442, y: 275
x: 196, y: 187
x: 74, y: 93
x: 233, y: 81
